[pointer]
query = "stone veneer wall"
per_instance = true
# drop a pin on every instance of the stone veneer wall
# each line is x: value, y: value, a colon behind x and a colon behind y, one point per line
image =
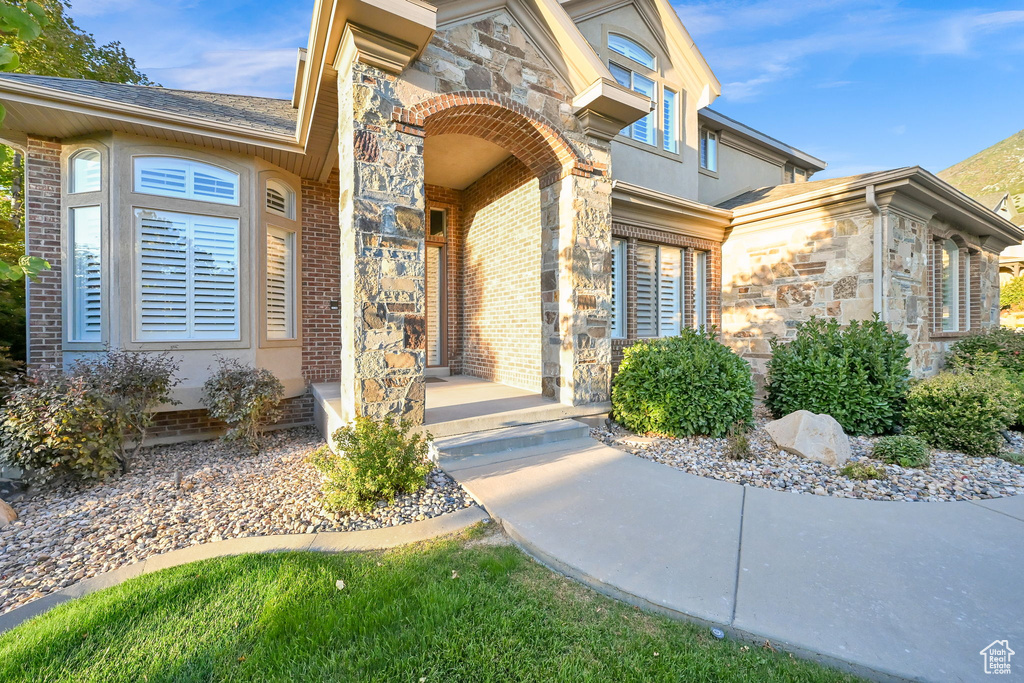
x: 43, y: 239
x: 501, y: 264
x: 777, y: 276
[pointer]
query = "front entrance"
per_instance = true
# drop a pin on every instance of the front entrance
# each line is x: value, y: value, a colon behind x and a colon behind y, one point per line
x: 436, y: 294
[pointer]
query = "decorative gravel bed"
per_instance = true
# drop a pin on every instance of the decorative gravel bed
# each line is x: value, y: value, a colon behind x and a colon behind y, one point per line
x: 952, y: 476
x: 71, y: 531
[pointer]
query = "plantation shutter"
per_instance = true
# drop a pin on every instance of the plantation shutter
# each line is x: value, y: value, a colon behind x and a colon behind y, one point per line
x: 700, y: 298
x: 186, y: 179
x: 86, y: 314
x: 670, y: 280
x: 618, y: 288
x: 280, y: 284
x: 187, y: 277
x: 646, y: 290
x: 434, y: 318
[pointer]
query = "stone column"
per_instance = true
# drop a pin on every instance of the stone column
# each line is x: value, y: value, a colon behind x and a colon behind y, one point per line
x: 382, y: 251
x: 576, y: 288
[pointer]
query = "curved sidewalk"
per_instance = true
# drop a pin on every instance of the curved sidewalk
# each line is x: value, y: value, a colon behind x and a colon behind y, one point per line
x: 886, y: 589
x: 327, y: 541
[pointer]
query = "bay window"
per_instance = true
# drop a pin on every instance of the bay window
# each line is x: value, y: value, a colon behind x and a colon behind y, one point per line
x: 281, y: 231
x: 185, y: 179
x: 86, y: 315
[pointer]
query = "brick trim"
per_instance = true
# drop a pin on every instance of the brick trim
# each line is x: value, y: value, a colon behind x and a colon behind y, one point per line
x: 499, y: 119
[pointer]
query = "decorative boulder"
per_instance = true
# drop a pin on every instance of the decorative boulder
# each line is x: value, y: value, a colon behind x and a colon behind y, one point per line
x: 812, y: 436
x: 7, y: 514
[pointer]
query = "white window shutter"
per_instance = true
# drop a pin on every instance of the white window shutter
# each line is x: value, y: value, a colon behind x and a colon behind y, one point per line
x: 618, y: 288
x: 646, y: 290
x: 87, y: 310
x: 280, y: 284
x: 185, y: 179
x: 187, y: 277
x: 700, y: 297
x: 670, y: 280
x: 434, y: 285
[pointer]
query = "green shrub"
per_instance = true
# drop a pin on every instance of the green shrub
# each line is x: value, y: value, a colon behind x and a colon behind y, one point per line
x: 246, y: 398
x: 737, y: 445
x: 376, y: 461
x: 1011, y: 295
x: 981, y: 350
x: 79, y: 422
x: 858, y: 375
x: 960, y: 411
x: 861, y: 471
x: 904, y: 450
x: 682, y: 386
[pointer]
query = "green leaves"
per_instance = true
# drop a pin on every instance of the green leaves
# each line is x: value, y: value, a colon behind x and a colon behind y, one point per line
x: 859, y: 375
x: 27, y: 266
x: 960, y: 411
x: 27, y: 24
x: 244, y: 397
x: 682, y: 386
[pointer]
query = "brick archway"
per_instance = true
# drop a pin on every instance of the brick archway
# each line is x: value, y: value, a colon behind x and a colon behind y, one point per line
x: 504, y: 122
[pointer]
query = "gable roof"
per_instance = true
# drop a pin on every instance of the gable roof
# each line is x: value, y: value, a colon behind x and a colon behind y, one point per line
x: 258, y: 113
x: 775, y: 193
x: 720, y: 121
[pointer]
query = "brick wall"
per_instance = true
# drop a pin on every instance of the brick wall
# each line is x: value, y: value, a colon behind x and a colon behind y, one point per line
x: 197, y: 424
x: 321, y: 284
x: 712, y: 287
x: 502, y: 338
x: 43, y: 239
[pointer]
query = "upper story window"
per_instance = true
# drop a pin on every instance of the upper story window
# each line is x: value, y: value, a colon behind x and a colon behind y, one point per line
x: 627, y: 48
x: 670, y: 120
x: 185, y: 179
x: 644, y: 129
x: 794, y: 174
x: 280, y: 199
x: 85, y: 172
x: 708, y: 149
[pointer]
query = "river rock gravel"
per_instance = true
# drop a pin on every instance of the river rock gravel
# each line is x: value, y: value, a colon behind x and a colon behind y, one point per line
x: 70, y: 531
x: 951, y: 476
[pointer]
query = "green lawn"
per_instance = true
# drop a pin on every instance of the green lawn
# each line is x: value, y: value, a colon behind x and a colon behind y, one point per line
x: 401, y: 617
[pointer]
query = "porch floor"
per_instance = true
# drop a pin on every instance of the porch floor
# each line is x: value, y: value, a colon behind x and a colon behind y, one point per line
x: 463, y: 405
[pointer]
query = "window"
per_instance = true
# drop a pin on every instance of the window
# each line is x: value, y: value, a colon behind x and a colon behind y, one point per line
x: 642, y: 130
x: 627, y: 48
x: 186, y: 277
x: 280, y: 284
x: 950, y: 286
x: 86, y: 282
x: 659, y: 290
x: 438, y: 223
x: 85, y: 172
x: 700, y: 283
x: 670, y: 119
x: 794, y: 174
x: 708, y: 149
x: 618, y: 288
x: 280, y: 199
x: 185, y: 179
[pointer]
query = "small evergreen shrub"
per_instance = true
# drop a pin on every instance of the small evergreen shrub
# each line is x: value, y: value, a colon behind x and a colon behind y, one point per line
x: 1011, y: 295
x: 861, y: 471
x: 246, y: 398
x: 858, y: 375
x: 981, y: 350
x: 682, y: 386
x: 376, y: 461
x: 79, y: 422
x: 960, y: 411
x: 904, y: 450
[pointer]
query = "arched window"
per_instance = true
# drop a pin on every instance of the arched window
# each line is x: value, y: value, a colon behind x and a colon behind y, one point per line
x: 280, y: 199
x: 85, y: 172
x: 627, y: 48
x: 185, y: 179
x: 955, y: 278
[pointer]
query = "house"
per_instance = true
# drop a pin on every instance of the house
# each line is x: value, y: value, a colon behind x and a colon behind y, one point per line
x: 512, y: 190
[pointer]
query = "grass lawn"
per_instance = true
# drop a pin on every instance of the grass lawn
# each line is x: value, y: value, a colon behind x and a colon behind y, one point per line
x: 449, y: 610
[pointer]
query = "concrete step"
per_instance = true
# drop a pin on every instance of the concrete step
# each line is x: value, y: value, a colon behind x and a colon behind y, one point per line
x: 511, y: 438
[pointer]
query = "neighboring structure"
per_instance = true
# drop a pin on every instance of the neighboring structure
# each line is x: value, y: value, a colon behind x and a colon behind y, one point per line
x: 509, y: 189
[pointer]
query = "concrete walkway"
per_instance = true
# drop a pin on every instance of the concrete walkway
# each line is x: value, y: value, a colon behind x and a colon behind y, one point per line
x: 887, y: 589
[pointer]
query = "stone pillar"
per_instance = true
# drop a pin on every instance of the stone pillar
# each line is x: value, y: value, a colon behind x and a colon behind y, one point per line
x: 43, y: 239
x: 576, y: 288
x: 382, y: 251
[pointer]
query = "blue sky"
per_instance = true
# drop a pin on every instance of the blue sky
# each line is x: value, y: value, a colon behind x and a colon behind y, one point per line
x: 865, y: 85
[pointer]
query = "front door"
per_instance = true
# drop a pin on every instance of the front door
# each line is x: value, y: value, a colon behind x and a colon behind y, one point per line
x: 435, y: 288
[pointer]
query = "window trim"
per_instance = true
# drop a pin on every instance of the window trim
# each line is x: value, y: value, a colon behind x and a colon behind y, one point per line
x: 136, y: 175
x: 617, y: 322
x: 653, y: 66
x: 71, y: 174
x: 700, y: 288
x: 967, y: 300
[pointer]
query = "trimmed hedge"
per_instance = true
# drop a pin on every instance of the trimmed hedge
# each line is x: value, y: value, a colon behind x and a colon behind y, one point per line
x: 960, y: 411
x: 683, y: 386
x: 858, y: 375
x: 981, y: 350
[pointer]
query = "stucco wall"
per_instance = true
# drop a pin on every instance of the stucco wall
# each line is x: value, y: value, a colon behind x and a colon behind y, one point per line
x: 738, y: 171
